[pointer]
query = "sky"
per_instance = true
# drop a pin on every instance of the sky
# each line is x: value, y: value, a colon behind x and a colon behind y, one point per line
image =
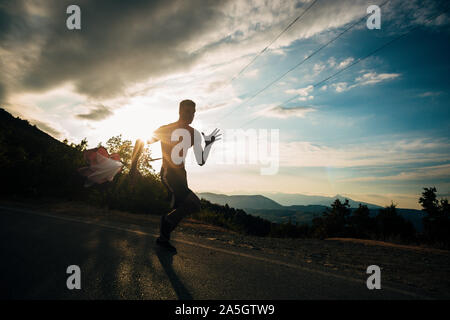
x: 377, y: 131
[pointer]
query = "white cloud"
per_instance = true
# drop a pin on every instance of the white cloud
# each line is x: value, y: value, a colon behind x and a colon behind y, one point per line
x: 303, y: 92
x: 345, y: 63
x: 384, y: 199
x: 332, y: 62
x: 340, y: 86
x: 422, y: 173
x: 283, y: 113
x: 307, y: 154
x: 366, y: 79
x: 306, y: 98
x: 252, y: 73
x: 318, y: 68
x: 373, y: 77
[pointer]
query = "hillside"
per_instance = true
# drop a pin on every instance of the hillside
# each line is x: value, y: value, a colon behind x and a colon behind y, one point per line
x: 241, y: 201
x: 301, y: 214
x: 33, y: 163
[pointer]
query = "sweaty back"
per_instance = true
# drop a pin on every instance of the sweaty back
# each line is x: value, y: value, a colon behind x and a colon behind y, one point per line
x: 164, y: 134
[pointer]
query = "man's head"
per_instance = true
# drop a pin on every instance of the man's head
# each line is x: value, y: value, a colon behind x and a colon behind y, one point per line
x: 187, y: 111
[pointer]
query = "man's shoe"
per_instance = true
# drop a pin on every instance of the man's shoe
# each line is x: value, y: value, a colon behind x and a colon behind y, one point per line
x: 166, y: 245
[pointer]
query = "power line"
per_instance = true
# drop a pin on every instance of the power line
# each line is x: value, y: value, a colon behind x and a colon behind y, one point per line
x: 275, y: 39
x: 253, y: 60
x: 357, y: 61
x: 300, y: 63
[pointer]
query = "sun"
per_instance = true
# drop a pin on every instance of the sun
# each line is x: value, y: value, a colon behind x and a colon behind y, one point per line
x: 138, y: 121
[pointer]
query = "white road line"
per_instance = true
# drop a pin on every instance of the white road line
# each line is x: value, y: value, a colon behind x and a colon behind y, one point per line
x: 245, y: 255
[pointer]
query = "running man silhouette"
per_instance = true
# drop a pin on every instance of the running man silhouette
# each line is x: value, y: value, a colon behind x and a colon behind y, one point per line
x: 176, y: 138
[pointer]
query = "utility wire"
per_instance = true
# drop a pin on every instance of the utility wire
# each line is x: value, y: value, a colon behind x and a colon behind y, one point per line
x: 254, y: 59
x: 358, y: 60
x: 300, y: 63
x: 275, y: 39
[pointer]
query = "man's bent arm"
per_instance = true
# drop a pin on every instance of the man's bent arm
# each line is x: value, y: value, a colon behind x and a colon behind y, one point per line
x: 201, y: 155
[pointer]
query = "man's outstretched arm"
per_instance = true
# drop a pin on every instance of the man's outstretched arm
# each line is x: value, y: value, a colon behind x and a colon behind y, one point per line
x: 201, y: 155
x: 152, y: 140
x: 155, y: 137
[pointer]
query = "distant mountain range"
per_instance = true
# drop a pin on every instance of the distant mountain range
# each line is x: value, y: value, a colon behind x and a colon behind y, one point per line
x: 299, y: 208
x: 288, y: 199
x: 278, y: 200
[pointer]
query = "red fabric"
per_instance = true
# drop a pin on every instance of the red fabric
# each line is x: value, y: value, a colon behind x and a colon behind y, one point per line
x: 91, y: 157
x: 115, y: 156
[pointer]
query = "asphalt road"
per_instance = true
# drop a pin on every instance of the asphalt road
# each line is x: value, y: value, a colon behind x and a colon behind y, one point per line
x: 122, y: 263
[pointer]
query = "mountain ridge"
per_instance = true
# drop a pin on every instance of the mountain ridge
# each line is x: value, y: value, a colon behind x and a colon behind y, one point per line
x: 299, y: 213
x: 250, y: 201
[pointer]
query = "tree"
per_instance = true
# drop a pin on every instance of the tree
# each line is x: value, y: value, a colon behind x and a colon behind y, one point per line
x: 361, y: 223
x: 390, y: 224
x: 80, y: 147
x: 436, y: 223
x: 429, y: 201
x: 124, y: 148
x: 334, y: 221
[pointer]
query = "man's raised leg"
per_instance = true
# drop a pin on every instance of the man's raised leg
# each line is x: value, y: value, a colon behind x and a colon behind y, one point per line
x: 170, y: 221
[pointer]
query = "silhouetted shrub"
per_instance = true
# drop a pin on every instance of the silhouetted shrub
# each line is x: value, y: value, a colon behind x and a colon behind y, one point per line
x: 361, y: 224
x: 389, y: 225
x: 437, y: 221
x: 334, y: 221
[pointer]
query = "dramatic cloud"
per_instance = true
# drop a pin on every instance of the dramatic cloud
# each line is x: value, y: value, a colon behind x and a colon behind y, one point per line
x: 123, y: 43
x: 120, y: 42
x: 99, y: 112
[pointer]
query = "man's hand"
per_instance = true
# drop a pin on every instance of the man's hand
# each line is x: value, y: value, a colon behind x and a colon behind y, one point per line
x: 214, y: 136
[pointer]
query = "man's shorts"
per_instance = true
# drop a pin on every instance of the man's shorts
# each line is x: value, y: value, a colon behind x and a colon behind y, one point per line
x: 174, y: 179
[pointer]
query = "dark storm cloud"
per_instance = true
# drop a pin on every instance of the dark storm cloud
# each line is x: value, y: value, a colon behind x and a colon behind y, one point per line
x: 121, y: 42
x: 10, y: 18
x: 100, y: 112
